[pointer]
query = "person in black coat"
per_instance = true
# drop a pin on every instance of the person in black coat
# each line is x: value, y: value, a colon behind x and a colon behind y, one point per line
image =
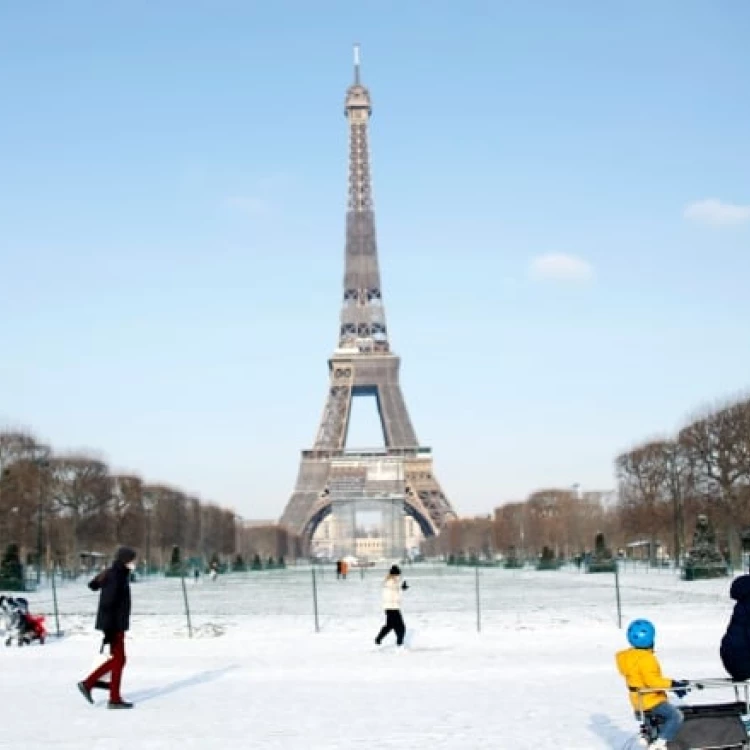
x: 113, y: 619
x: 735, y: 645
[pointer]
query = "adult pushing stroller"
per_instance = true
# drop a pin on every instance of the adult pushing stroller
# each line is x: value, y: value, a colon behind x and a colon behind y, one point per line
x: 706, y: 726
x: 20, y: 624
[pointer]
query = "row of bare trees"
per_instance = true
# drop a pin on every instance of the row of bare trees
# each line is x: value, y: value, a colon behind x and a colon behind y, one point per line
x: 665, y: 483
x: 66, y: 507
x: 559, y: 519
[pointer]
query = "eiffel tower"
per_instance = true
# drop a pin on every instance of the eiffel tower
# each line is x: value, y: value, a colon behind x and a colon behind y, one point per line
x: 363, y: 364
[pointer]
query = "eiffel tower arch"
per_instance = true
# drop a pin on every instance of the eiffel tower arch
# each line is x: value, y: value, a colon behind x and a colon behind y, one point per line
x: 363, y: 364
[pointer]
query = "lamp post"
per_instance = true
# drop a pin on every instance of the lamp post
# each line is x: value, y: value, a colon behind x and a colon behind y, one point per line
x: 148, y: 506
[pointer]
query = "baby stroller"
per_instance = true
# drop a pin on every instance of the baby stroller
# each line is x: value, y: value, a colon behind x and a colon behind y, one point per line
x: 20, y: 624
x: 708, y: 726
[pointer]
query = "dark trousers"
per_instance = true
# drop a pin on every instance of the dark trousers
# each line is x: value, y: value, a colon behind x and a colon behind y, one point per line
x: 115, y: 664
x: 393, y: 621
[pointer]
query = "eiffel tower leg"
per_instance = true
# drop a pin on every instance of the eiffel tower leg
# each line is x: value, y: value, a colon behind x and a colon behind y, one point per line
x: 424, y: 495
x: 307, y: 501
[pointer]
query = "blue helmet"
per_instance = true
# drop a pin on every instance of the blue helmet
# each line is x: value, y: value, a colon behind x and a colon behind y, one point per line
x: 641, y: 634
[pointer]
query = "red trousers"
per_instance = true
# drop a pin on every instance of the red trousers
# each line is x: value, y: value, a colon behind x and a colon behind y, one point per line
x: 115, y: 664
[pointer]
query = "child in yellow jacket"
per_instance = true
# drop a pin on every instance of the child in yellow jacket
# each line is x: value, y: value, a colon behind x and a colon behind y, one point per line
x: 640, y: 668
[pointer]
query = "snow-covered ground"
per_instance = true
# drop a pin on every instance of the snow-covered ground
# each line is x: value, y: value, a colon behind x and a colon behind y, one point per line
x: 256, y: 674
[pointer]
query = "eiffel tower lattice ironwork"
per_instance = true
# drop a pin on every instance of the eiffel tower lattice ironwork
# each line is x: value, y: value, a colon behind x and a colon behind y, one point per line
x: 363, y: 364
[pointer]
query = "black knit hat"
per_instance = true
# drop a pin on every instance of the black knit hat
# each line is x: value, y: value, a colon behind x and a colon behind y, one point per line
x: 395, y: 570
x: 125, y: 555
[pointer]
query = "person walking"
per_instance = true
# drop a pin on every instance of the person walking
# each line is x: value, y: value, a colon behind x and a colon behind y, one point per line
x: 113, y: 619
x: 392, y: 588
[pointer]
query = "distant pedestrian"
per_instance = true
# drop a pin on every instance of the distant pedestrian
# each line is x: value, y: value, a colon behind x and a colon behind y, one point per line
x: 392, y: 588
x: 339, y: 566
x: 196, y: 575
x: 113, y: 619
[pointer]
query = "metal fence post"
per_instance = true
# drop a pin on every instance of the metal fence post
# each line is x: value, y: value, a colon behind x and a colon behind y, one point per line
x: 315, y: 599
x: 479, y: 603
x: 187, y: 604
x: 54, y: 602
x: 617, y: 594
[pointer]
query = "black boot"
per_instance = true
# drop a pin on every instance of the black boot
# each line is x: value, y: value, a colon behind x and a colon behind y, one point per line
x: 119, y: 704
x: 85, y: 692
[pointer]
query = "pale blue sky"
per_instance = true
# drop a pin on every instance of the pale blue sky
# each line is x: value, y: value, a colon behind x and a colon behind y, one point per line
x: 172, y: 217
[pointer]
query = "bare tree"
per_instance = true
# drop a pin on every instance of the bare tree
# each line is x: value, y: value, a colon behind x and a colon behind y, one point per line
x: 193, y: 527
x: 643, y: 476
x: 16, y: 446
x: 228, y: 543
x: 17, y: 485
x: 80, y: 489
x: 552, y: 516
x: 19, y: 503
x: 681, y: 483
x: 509, y: 526
x: 127, y: 509
x: 169, y: 518
x: 718, y: 446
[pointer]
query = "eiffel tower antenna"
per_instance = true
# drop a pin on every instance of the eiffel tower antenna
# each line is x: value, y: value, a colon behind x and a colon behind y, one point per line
x: 356, y: 65
x: 331, y: 474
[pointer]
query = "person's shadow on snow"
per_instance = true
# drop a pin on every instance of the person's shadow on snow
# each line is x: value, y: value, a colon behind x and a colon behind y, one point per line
x: 613, y: 736
x: 200, y: 678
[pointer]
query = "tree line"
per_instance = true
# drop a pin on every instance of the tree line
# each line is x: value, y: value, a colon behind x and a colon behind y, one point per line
x: 561, y: 519
x: 67, y: 506
x: 663, y: 484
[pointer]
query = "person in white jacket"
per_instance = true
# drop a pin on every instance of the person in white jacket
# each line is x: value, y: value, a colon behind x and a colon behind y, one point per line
x: 392, y: 588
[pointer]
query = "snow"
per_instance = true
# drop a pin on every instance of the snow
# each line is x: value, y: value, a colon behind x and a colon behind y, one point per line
x: 539, y: 675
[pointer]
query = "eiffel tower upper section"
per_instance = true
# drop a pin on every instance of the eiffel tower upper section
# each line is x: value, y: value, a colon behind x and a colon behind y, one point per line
x: 363, y: 327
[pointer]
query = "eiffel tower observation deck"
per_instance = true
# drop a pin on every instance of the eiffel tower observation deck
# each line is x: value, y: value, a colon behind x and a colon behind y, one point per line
x: 363, y: 364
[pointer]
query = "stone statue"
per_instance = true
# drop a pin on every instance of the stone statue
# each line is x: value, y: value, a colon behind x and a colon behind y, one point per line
x: 600, y: 548
x: 601, y: 560
x: 547, y: 560
x: 704, y: 533
x: 704, y: 560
